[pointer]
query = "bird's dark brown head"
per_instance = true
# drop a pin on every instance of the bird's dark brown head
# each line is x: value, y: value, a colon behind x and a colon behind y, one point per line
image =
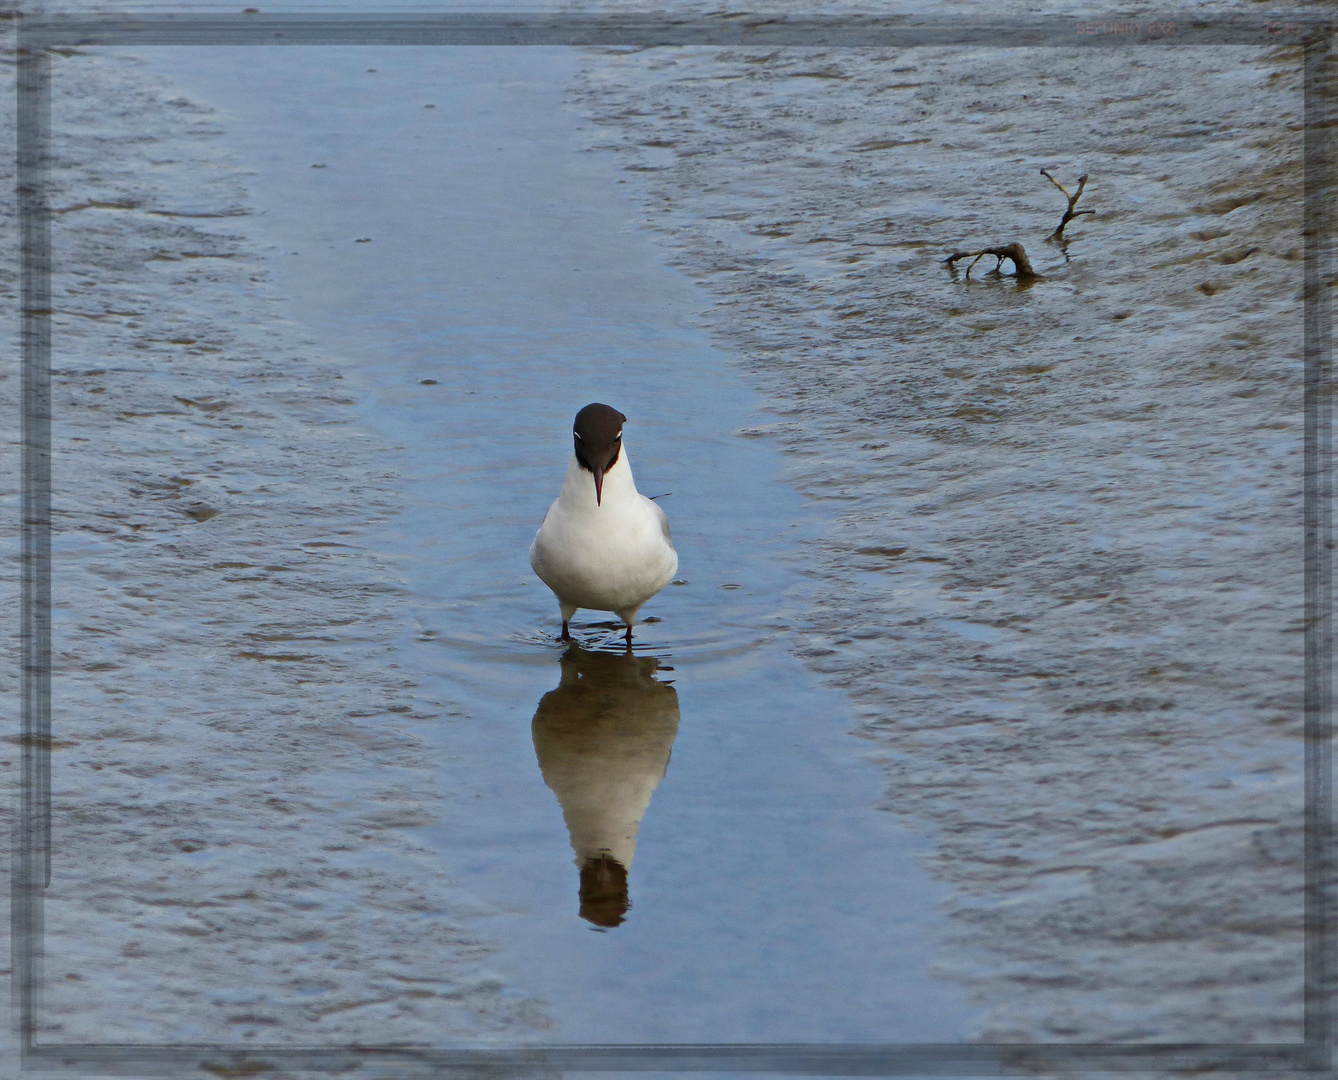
x: 598, y: 435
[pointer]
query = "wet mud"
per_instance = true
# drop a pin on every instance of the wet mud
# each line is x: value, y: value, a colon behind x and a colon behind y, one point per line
x: 1063, y: 585
x: 1060, y: 579
x: 238, y: 783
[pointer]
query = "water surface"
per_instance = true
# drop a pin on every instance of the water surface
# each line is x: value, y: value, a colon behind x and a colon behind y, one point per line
x: 439, y: 223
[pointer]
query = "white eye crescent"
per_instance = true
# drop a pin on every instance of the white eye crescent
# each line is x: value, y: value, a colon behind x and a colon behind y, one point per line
x: 578, y: 435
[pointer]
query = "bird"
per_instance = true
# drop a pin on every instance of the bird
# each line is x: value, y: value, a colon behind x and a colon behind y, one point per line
x: 602, y: 545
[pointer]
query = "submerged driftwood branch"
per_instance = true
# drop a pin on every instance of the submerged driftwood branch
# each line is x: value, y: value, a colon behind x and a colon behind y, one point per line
x: 1013, y: 252
x: 1070, y: 213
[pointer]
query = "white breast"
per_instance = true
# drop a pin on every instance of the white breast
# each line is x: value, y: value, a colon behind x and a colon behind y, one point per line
x: 608, y: 556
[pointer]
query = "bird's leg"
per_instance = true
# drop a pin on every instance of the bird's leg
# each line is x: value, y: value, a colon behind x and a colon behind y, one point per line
x: 629, y: 636
x: 566, y: 634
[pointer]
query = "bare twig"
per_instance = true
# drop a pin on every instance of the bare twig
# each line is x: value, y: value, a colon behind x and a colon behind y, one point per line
x: 1022, y: 265
x: 1070, y: 213
x: 1014, y: 252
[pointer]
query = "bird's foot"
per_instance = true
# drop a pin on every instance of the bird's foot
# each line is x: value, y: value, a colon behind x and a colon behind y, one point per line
x: 629, y: 637
x: 566, y: 634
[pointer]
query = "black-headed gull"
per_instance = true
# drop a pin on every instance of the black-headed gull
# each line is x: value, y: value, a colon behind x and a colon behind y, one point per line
x: 603, y: 545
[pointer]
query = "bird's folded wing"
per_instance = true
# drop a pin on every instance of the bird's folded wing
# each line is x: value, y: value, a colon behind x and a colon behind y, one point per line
x: 664, y: 522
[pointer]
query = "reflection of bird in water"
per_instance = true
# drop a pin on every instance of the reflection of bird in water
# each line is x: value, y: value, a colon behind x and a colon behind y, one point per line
x: 603, y: 739
x: 602, y: 545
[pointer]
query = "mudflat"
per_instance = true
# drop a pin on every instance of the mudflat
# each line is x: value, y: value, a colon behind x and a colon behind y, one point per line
x: 1063, y: 586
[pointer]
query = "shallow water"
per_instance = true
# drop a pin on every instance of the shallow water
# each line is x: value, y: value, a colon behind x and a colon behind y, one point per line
x: 431, y: 218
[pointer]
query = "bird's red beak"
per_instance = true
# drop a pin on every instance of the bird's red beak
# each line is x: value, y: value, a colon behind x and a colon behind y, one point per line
x: 599, y: 484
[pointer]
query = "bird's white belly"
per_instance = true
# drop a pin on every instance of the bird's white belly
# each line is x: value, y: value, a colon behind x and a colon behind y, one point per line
x: 601, y: 562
